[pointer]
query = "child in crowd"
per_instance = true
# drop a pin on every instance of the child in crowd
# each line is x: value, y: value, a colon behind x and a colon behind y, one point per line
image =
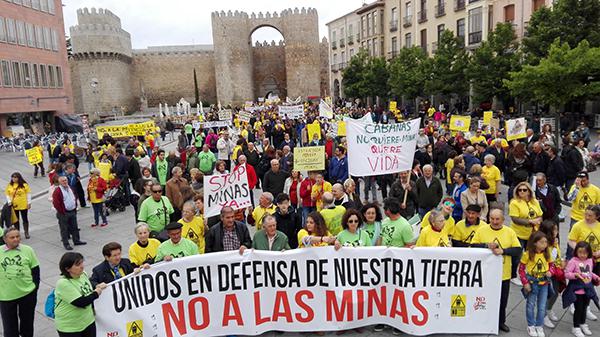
x: 535, y: 271
x: 550, y: 228
x: 581, y: 287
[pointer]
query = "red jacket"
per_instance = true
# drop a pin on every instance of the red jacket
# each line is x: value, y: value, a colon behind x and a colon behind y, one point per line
x: 329, y: 145
x: 252, y: 178
x: 57, y: 200
x: 100, y: 188
x: 305, y: 190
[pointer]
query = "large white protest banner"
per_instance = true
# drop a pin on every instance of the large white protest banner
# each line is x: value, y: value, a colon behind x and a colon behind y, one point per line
x: 420, y: 291
x: 229, y: 189
x: 215, y: 124
x: 375, y: 149
x: 291, y: 111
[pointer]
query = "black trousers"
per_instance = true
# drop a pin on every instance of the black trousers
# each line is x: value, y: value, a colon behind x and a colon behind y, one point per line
x: 80, y: 194
x: 18, y: 315
x: 581, y: 304
x: 503, y: 301
x: 22, y: 213
x: 40, y: 166
x: 68, y: 227
x: 90, y: 331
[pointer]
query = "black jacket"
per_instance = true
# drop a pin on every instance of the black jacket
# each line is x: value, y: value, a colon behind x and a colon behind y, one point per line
x: 274, y: 181
x: 134, y: 171
x: 573, y: 161
x: 214, y: 237
x: 429, y: 197
x: 550, y: 203
x: 103, y: 273
x: 556, y: 172
x: 539, y: 162
x: 289, y: 223
x: 56, y: 153
x: 397, y: 191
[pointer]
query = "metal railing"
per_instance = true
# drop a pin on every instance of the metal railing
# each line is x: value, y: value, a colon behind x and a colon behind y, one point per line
x: 475, y: 37
x: 393, y: 25
x: 459, y: 5
x: 422, y: 16
x: 407, y: 21
x: 440, y: 9
x: 350, y: 39
x: 333, y: 44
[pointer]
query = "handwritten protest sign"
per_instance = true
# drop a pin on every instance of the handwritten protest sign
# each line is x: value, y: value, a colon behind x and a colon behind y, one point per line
x: 375, y: 149
x: 245, y: 116
x: 225, y: 115
x: 420, y: 291
x: 34, y: 156
x: 487, y: 116
x: 325, y: 110
x: 229, y: 189
x: 310, y: 158
x: 516, y: 128
x: 313, y: 129
x: 291, y: 111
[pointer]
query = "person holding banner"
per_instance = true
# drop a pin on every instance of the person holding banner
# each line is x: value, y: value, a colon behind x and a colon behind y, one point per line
x: 18, y: 196
x: 503, y: 241
x: 228, y: 234
x: 177, y: 246
x: 269, y: 238
x: 315, y: 233
x: 434, y: 235
x: 74, y: 296
x: 352, y: 235
x: 145, y: 248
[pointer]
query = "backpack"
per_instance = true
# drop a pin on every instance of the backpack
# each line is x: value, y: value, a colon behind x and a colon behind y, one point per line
x: 50, y: 305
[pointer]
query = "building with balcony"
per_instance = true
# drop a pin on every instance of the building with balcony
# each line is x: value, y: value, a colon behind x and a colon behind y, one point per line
x: 344, y: 34
x: 35, y: 81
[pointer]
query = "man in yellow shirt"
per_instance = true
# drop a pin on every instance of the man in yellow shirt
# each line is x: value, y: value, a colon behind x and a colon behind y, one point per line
x: 478, y: 138
x: 582, y: 194
x: 465, y: 229
x: 265, y: 206
x: 332, y: 214
x: 502, y: 240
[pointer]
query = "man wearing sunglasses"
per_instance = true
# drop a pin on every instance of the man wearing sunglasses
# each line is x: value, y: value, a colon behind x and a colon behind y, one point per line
x: 156, y: 211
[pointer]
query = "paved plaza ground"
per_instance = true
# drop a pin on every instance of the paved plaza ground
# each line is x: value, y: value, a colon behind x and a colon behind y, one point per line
x: 45, y: 240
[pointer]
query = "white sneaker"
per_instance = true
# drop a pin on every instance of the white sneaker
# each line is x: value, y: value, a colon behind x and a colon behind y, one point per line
x: 577, y: 332
x: 516, y: 281
x: 532, y: 331
x: 548, y: 322
x: 572, y: 309
x: 590, y: 315
x: 585, y: 329
x: 540, y: 331
x: 550, y: 314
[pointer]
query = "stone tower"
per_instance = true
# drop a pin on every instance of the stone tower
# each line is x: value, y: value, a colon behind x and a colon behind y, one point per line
x: 101, y: 64
x: 233, y: 59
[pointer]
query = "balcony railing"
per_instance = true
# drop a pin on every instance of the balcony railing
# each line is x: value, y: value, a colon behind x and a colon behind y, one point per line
x: 357, y: 37
x: 393, y: 25
x: 422, y: 16
x: 350, y: 39
x: 459, y: 5
x: 334, y: 68
x: 440, y: 9
x: 407, y: 21
x: 475, y: 37
x: 342, y: 42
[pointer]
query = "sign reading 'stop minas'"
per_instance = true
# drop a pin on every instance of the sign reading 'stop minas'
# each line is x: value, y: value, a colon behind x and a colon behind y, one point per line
x: 375, y: 149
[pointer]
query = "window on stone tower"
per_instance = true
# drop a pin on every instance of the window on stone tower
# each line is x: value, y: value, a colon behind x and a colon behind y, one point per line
x: 537, y: 4
x: 44, y: 5
x: 35, y: 76
x: 21, y: 33
x: 35, y: 4
x: 51, y: 8
x: 47, y: 39
x: 30, y: 35
x: 54, y: 40
x: 26, y: 75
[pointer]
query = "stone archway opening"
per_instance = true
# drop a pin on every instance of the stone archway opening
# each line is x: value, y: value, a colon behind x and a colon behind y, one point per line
x: 268, y: 59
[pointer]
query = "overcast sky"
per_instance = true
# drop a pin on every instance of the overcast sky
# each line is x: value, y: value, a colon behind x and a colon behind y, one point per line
x: 180, y: 22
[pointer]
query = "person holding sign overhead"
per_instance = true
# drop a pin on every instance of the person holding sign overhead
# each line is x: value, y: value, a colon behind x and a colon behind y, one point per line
x: 40, y: 158
x: 18, y: 195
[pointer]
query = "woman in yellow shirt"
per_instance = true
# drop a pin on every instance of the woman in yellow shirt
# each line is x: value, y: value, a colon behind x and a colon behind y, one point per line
x: 525, y: 212
x: 193, y: 225
x: 434, y: 235
x: 315, y: 234
x: 144, y: 250
x: 492, y: 176
x: 18, y: 195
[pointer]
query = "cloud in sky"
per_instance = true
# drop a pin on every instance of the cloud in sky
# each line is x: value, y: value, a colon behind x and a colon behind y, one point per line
x: 180, y: 22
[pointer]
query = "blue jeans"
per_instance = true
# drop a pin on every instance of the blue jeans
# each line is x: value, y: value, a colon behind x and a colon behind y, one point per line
x: 538, y: 296
x: 99, y: 211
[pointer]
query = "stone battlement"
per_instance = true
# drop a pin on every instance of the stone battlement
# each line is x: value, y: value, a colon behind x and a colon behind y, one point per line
x: 267, y: 15
x: 96, y: 28
x: 100, y: 15
x: 264, y: 44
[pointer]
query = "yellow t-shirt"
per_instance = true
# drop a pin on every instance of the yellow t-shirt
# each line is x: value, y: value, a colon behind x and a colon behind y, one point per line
x: 257, y: 125
x: 465, y: 234
x: 449, y: 167
x: 317, y: 193
x: 304, y: 233
x: 521, y: 209
x: 476, y: 140
x: 105, y: 170
x: 589, y: 195
x: 333, y: 218
x: 244, y: 133
x: 556, y: 254
x: 432, y: 238
x: 492, y: 176
x: 448, y: 225
x: 149, y: 138
x: 194, y: 231
x: 505, y: 237
x: 259, y: 213
x: 538, y: 267
x: 581, y: 231
x: 18, y: 195
x: 139, y: 255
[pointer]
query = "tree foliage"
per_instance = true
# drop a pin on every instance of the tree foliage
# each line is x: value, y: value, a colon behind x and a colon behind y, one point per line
x: 353, y: 75
x: 565, y: 75
x: 491, y: 63
x: 447, y: 69
x: 407, y: 73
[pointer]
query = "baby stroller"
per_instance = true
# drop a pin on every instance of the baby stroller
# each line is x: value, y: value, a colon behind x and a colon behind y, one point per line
x: 116, y: 198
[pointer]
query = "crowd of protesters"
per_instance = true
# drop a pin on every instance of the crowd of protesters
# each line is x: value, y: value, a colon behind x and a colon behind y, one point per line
x: 453, y: 189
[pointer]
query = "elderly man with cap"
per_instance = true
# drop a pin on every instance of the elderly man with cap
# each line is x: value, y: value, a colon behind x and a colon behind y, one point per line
x: 176, y: 246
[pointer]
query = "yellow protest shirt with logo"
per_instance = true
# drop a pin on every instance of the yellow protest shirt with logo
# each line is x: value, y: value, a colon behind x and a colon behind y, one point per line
x: 505, y: 237
x: 586, y: 196
x: 448, y: 224
x: 538, y: 267
x: 259, y: 213
x: 477, y: 139
x: 244, y: 134
x: 581, y: 231
x: 492, y: 176
x: 257, y: 125
x: 465, y: 234
x: 430, y: 237
x: 71, y: 318
x: 18, y: 195
x: 139, y: 255
x: 304, y: 233
x: 333, y: 218
x: 317, y: 191
x: 194, y: 231
x: 519, y: 208
x: 15, y: 274
x: 52, y: 147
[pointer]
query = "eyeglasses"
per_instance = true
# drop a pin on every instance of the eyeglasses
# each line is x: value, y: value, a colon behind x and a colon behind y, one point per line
x: 157, y: 191
x: 353, y: 221
x: 449, y: 204
x: 523, y: 190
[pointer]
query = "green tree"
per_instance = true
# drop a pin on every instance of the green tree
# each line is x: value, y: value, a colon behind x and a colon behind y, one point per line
x: 407, y: 73
x: 572, y: 21
x: 353, y: 75
x: 447, y: 68
x: 492, y: 62
x: 376, y: 78
x: 565, y: 75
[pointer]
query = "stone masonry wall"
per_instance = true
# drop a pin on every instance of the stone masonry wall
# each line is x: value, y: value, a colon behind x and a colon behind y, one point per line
x: 269, y: 69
